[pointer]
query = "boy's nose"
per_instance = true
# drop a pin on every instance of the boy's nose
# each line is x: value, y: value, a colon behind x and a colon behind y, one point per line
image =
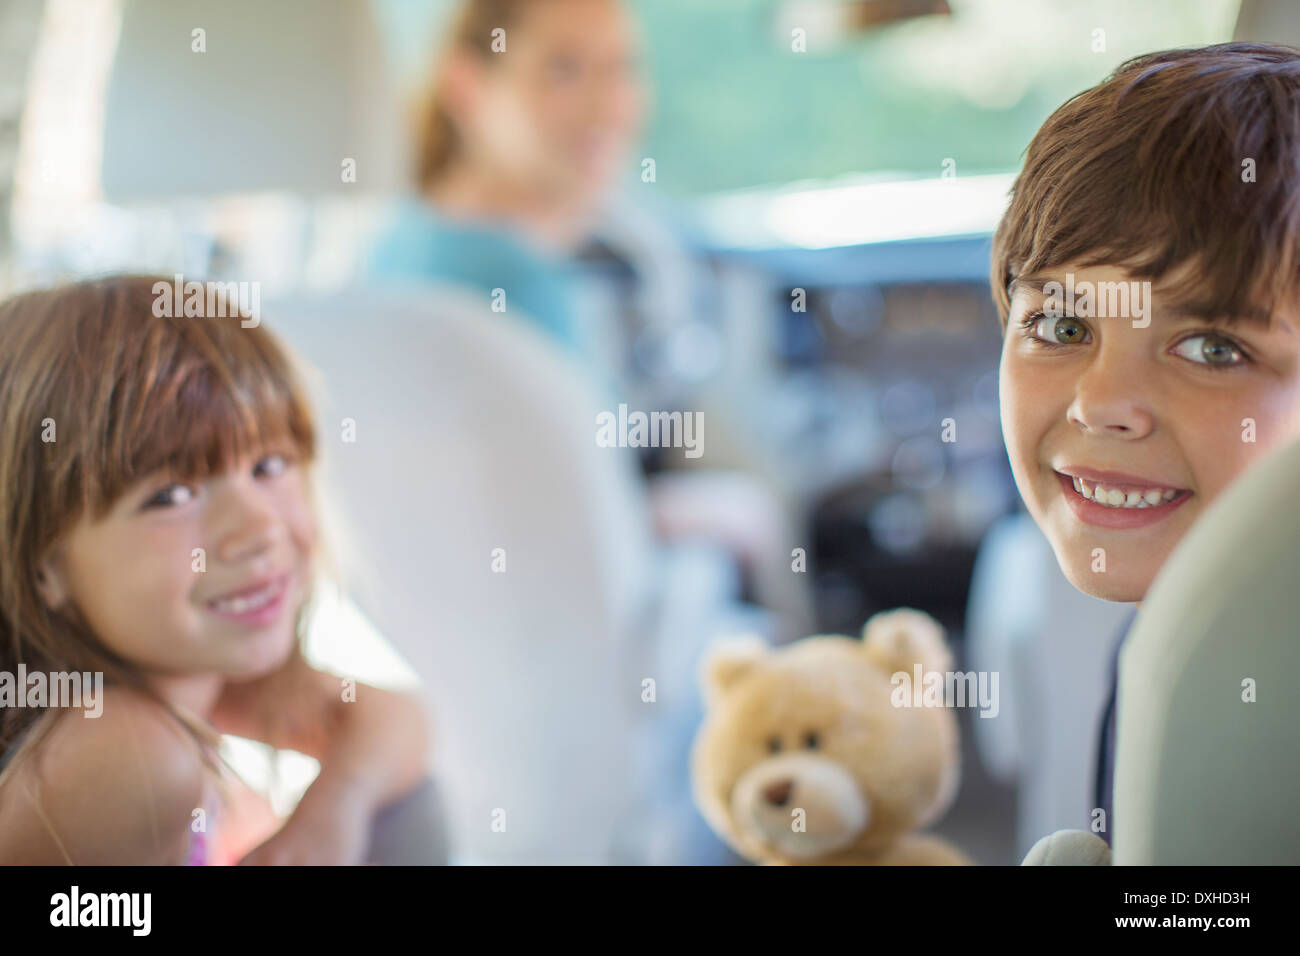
x: 1109, y: 402
x: 1114, y: 424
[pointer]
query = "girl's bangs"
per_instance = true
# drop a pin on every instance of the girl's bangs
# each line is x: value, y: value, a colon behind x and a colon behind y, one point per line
x: 204, y: 402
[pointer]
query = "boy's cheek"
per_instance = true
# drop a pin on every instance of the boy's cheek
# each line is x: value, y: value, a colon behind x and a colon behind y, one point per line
x: 1250, y: 433
x: 1019, y: 420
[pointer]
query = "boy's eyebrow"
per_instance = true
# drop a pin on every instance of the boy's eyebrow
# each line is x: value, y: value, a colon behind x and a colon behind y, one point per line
x: 1035, y: 280
x: 1194, y: 308
x: 1249, y: 315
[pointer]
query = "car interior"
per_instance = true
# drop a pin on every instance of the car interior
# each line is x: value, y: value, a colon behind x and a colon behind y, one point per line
x: 796, y: 254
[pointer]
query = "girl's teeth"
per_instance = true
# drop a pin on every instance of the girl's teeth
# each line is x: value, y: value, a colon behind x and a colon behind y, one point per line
x: 1115, y: 498
x: 252, y: 602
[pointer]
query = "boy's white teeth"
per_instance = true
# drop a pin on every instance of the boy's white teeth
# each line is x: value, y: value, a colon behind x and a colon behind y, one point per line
x: 248, y: 602
x: 1116, y: 498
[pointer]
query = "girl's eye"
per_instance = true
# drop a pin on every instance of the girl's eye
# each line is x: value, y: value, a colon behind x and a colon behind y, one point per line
x: 272, y: 466
x: 1063, y: 329
x: 773, y: 744
x: 1215, y: 351
x: 812, y: 740
x: 170, y: 497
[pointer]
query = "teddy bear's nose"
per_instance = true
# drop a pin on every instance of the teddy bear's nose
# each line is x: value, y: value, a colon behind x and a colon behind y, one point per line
x: 779, y: 792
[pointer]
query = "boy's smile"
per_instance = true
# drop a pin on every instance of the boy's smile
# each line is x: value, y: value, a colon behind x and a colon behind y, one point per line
x: 1130, y: 502
x: 1121, y: 433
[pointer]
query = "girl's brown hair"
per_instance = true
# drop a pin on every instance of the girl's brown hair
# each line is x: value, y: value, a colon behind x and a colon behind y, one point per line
x: 98, y: 391
x: 436, y: 140
x: 1183, y: 157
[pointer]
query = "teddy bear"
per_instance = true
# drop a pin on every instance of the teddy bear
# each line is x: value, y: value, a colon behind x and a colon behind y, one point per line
x: 803, y: 758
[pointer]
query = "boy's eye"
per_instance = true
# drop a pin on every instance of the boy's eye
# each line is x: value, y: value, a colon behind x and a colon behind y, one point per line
x: 1062, y: 330
x: 1214, y: 350
x: 774, y: 744
x: 170, y: 497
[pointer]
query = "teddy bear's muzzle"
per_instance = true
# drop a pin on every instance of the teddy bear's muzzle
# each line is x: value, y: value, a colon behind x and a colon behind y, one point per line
x: 800, y: 805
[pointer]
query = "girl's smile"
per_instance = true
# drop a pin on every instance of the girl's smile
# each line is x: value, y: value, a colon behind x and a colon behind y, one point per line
x: 257, y: 604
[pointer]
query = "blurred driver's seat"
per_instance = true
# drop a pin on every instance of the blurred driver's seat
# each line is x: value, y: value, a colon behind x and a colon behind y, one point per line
x: 1207, y: 766
x: 511, y: 560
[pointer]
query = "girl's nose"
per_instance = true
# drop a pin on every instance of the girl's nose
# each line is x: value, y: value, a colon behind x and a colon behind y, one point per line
x: 250, y: 526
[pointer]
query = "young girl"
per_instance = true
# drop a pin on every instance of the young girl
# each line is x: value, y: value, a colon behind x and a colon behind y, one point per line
x: 157, y: 526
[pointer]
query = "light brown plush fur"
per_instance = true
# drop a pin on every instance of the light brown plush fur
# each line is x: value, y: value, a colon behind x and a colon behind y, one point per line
x: 803, y: 759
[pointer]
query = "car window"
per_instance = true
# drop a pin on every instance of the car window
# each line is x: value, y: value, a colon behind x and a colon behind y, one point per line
x: 903, y: 98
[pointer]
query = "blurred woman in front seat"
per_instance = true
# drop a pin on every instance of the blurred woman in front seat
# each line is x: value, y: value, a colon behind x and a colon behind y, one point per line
x: 528, y: 124
x: 531, y: 113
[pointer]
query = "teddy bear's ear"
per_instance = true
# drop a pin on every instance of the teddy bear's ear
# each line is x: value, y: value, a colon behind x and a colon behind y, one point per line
x: 728, y: 661
x: 899, y: 639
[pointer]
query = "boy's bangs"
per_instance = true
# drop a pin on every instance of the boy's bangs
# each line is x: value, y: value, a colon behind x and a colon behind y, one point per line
x: 1180, y: 168
x: 1231, y: 274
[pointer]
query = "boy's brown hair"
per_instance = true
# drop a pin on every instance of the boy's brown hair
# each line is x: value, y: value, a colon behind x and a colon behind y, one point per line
x: 1180, y: 159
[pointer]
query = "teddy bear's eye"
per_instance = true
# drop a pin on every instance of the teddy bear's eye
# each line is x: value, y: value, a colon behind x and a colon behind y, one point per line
x: 811, y: 740
x: 774, y: 744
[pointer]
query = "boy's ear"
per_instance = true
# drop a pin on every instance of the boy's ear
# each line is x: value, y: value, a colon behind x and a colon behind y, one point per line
x: 50, y: 581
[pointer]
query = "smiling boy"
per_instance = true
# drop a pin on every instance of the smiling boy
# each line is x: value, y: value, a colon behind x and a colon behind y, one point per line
x: 1182, y: 171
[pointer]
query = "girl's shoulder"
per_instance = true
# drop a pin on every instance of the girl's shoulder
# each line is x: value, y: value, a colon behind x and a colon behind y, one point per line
x: 119, y: 788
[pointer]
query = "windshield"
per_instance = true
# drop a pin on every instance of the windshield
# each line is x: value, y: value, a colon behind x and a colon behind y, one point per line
x: 972, y: 87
